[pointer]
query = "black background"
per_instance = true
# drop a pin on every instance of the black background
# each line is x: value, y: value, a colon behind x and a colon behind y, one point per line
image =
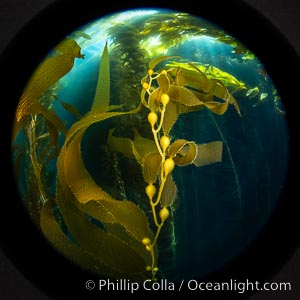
x: 14, y: 14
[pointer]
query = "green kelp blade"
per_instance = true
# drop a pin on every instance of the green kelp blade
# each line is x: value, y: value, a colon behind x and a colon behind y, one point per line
x: 209, y: 153
x: 169, y: 192
x: 102, y: 95
x: 154, y: 62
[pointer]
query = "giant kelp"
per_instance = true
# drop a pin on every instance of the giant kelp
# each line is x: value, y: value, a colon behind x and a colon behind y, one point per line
x: 119, y: 237
x: 132, y: 46
x: 175, y: 28
x: 40, y: 123
x: 128, y: 63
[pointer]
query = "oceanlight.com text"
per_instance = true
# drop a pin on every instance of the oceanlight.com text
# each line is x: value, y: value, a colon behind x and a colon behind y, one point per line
x: 238, y: 286
x: 191, y: 285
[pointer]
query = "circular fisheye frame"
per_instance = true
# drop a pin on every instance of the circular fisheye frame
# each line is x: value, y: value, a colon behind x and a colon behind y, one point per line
x: 150, y: 147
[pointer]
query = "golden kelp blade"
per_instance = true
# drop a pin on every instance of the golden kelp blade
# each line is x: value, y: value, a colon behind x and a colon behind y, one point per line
x: 218, y: 108
x: 102, y: 95
x: 143, y: 145
x: 209, y: 153
x: 211, y: 72
x: 154, y: 62
x: 103, y: 246
x: 176, y: 147
x: 47, y: 74
x: 154, y: 99
x: 184, y: 96
x: 74, y: 177
x: 79, y: 196
x: 164, y: 83
x: 69, y: 46
x: 137, y: 148
x: 120, y: 213
x: 183, y: 152
x: 70, y: 108
x: 198, y: 91
x: 169, y: 192
x: 58, y: 239
x: 122, y: 145
x: 188, y: 153
x: 170, y: 118
x: 151, y: 165
x: 78, y: 178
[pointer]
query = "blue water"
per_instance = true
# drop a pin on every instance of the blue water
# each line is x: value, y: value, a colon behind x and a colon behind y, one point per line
x: 224, y: 206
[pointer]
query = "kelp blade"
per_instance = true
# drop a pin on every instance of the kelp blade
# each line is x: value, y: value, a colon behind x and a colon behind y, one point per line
x: 63, y: 244
x: 101, y: 245
x: 102, y: 95
x: 47, y: 74
x: 209, y: 153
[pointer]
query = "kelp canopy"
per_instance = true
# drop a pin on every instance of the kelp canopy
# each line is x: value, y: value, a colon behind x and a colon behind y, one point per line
x: 115, y: 226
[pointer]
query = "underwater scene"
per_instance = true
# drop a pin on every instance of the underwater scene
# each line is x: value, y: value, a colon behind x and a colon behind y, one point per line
x: 150, y: 144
